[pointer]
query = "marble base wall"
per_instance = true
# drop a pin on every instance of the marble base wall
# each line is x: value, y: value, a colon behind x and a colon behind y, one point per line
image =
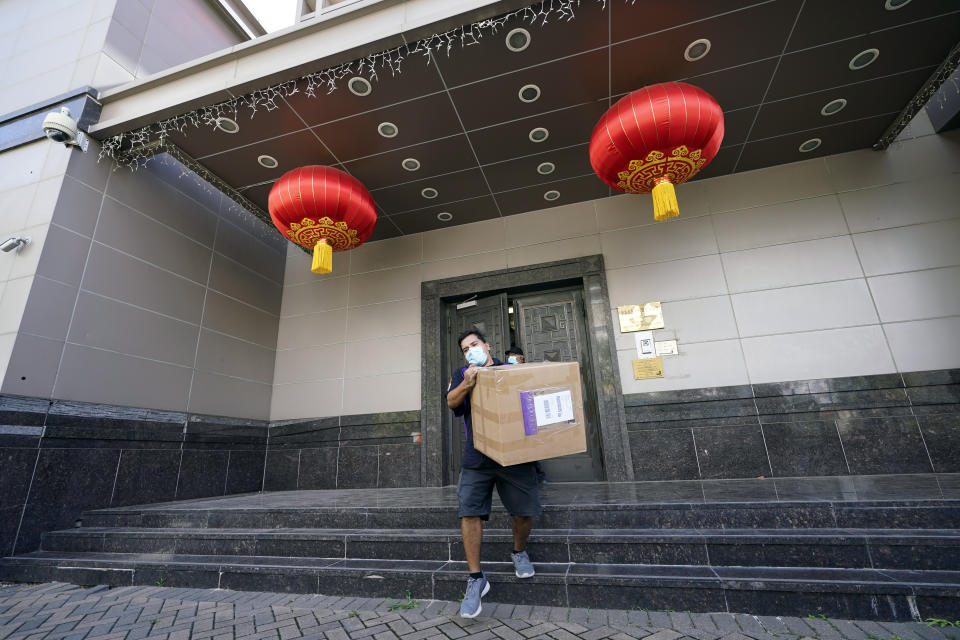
x: 58, y: 459
x: 867, y: 425
x: 345, y: 452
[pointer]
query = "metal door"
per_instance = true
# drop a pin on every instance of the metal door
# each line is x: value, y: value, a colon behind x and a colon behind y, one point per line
x: 551, y: 328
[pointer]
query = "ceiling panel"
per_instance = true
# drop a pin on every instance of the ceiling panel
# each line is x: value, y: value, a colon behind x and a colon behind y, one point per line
x: 522, y: 172
x: 722, y: 164
x: 736, y: 125
x: 449, y: 187
x: 384, y: 230
x: 512, y: 139
x: 737, y: 38
x: 914, y: 46
x: 738, y: 87
x: 417, y: 121
x: 821, y: 22
x: 864, y: 99
x: 497, y: 100
x: 557, y: 39
x: 435, y: 157
x: 258, y: 194
x: 465, y: 211
x: 417, y: 79
x: 239, y: 167
x: 254, y: 126
x: 836, y: 139
x: 532, y: 198
x: 633, y: 19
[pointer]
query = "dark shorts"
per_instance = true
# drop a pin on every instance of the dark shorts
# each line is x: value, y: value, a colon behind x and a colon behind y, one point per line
x: 516, y: 486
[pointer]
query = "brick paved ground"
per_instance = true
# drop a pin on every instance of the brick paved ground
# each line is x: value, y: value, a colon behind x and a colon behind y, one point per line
x: 58, y: 611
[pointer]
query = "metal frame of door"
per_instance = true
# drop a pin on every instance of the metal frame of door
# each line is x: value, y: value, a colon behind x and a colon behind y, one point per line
x: 587, y: 272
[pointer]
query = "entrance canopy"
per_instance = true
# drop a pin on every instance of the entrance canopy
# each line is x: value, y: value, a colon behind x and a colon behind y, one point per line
x: 455, y: 112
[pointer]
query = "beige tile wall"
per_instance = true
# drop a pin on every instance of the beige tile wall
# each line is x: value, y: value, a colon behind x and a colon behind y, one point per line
x: 138, y: 289
x: 30, y: 180
x: 837, y: 266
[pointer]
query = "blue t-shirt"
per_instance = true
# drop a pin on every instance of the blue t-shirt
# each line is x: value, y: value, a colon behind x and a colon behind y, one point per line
x: 472, y: 459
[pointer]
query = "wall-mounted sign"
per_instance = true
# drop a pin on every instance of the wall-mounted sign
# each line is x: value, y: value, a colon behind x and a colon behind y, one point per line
x: 645, y: 344
x: 667, y: 348
x: 647, y: 368
x: 640, y: 317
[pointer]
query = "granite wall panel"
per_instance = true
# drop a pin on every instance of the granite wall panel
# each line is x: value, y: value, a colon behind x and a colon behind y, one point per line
x: 58, y: 459
x: 881, y: 424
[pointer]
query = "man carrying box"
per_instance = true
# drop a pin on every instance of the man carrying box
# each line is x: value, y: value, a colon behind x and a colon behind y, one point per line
x: 516, y: 484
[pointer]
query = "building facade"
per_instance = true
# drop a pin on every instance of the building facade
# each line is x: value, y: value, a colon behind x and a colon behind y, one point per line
x: 159, y: 341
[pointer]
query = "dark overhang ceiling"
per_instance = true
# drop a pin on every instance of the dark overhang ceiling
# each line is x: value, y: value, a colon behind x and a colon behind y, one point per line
x: 771, y: 65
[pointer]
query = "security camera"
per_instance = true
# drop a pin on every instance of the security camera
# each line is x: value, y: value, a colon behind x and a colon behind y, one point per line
x: 61, y: 127
x: 11, y: 244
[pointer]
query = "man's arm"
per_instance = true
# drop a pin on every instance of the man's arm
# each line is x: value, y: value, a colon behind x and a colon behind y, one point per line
x: 456, y: 396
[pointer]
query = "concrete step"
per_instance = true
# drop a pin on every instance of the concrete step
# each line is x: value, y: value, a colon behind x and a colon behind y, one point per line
x: 922, y: 549
x: 900, y: 514
x: 840, y: 593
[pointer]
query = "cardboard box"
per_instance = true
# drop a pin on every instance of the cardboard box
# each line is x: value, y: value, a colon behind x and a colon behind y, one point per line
x: 527, y: 412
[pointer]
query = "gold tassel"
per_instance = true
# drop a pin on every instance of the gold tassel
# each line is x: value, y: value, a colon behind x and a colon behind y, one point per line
x: 322, y: 257
x: 664, y: 201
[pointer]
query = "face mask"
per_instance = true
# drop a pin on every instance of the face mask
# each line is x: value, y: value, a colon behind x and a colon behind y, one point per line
x: 476, y: 356
x: 512, y: 359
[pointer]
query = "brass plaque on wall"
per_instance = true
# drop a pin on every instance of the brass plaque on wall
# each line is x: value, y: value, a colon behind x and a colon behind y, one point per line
x: 647, y: 368
x: 640, y: 317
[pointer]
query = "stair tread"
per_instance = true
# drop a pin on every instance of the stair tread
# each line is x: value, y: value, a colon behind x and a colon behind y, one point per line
x: 537, y: 533
x: 806, y: 574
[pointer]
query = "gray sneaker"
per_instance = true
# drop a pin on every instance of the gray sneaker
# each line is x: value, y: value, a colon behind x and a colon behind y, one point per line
x: 521, y: 562
x: 476, y: 589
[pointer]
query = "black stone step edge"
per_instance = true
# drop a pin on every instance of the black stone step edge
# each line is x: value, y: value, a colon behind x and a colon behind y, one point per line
x: 183, y: 506
x: 803, y: 579
x: 907, y: 514
x: 547, y: 535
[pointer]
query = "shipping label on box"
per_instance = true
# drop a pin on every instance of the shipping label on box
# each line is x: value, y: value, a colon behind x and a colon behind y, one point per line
x: 545, y: 407
x: 528, y: 412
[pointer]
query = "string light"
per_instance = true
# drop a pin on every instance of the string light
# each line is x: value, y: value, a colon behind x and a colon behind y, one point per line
x: 134, y: 148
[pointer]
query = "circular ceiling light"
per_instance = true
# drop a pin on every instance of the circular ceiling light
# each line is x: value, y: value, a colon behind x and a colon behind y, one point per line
x: 696, y: 50
x: 388, y: 129
x: 551, y: 195
x: 893, y: 5
x: 410, y: 164
x: 429, y: 193
x: 863, y: 59
x: 359, y: 86
x: 444, y: 216
x: 539, y: 134
x: 833, y: 107
x: 810, y: 145
x: 529, y: 93
x: 268, y: 161
x: 227, y: 125
x: 518, y: 39
x: 546, y: 168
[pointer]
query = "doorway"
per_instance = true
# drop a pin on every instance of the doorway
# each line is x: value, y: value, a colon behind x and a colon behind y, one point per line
x: 582, y: 280
x: 549, y: 325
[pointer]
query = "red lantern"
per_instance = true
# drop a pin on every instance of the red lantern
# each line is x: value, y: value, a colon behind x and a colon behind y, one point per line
x: 323, y: 209
x: 657, y: 137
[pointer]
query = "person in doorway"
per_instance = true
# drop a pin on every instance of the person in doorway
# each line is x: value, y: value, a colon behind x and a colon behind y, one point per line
x: 515, y: 355
x: 516, y: 485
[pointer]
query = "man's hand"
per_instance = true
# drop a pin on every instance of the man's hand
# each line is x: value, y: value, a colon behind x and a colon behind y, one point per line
x: 470, y: 376
x: 455, y: 397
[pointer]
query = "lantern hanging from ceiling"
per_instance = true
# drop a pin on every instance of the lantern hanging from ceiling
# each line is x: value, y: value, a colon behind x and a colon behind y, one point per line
x: 654, y: 138
x: 323, y: 209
